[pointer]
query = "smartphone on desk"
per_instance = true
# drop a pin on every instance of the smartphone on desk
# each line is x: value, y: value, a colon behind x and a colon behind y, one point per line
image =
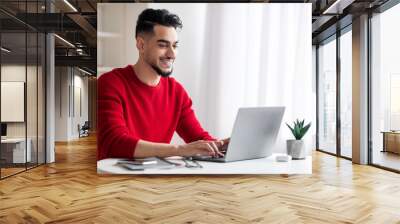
x: 139, y: 162
x: 145, y: 163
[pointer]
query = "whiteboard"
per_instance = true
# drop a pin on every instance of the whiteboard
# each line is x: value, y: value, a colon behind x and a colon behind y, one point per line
x: 12, y: 101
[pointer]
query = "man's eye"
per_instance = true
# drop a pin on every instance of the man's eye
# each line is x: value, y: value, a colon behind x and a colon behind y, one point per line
x: 162, y: 45
x: 176, y: 46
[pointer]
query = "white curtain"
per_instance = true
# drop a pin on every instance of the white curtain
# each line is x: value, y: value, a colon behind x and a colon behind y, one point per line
x: 243, y: 55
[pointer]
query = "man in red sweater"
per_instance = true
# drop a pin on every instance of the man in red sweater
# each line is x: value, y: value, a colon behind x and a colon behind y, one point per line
x: 140, y: 106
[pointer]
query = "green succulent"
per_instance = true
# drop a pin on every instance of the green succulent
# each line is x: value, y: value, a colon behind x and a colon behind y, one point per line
x: 298, y: 129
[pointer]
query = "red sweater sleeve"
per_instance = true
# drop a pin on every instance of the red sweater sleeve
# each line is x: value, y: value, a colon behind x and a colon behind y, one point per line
x: 114, y: 138
x: 189, y: 128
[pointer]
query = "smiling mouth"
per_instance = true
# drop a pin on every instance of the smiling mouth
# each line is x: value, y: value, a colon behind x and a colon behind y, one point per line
x: 166, y: 63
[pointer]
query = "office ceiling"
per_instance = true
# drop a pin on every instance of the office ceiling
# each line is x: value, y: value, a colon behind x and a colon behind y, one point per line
x: 76, y: 22
x: 332, y: 15
x: 73, y: 21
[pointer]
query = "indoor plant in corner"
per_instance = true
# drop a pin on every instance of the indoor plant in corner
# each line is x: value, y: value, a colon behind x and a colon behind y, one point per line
x: 295, y: 147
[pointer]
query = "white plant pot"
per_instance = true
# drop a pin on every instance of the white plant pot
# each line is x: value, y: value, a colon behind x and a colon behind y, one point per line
x: 296, y: 148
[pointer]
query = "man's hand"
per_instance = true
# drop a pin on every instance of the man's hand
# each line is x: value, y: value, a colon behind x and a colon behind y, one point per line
x: 201, y: 148
x: 204, y: 148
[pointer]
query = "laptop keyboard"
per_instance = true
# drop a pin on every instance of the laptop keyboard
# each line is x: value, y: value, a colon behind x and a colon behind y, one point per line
x: 217, y: 157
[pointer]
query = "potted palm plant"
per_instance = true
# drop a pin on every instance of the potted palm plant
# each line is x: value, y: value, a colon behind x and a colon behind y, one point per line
x: 295, y: 147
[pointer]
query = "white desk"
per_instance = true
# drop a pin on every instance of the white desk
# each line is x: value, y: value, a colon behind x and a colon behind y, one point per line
x: 16, y: 147
x: 256, y: 166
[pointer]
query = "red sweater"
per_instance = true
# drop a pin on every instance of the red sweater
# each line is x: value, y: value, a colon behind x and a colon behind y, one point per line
x: 129, y: 110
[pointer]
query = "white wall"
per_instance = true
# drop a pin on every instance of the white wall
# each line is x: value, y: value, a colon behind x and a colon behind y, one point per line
x: 61, y: 103
x: 66, y: 121
x: 14, y: 73
x: 17, y: 73
x: 116, y: 35
x: 13, y: 101
x: 33, y: 127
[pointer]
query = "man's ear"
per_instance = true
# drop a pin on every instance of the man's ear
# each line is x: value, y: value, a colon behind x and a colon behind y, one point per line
x: 140, y: 43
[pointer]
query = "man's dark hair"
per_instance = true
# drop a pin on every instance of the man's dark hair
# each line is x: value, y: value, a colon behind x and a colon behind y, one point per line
x: 151, y: 17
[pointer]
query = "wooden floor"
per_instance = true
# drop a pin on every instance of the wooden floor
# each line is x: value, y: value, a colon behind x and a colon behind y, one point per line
x: 387, y: 159
x: 70, y: 191
x: 5, y: 172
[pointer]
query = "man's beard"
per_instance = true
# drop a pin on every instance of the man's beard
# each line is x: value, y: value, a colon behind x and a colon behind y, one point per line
x: 160, y: 72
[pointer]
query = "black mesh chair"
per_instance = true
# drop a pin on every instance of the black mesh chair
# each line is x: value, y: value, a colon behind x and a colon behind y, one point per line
x: 84, y: 130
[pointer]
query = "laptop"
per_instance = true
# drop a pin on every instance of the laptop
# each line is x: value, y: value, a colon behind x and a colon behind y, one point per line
x: 253, y: 136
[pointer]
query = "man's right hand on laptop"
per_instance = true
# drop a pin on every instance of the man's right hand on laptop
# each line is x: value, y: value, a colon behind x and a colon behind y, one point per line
x: 202, y: 148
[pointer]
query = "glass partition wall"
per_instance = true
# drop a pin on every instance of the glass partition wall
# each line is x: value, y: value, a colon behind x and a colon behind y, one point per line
x: 327, y: 95
x: 346, y: 95
x: 334, y: 60
x: 385, y: 89
x: 22, y: 79
x: 335, y: 94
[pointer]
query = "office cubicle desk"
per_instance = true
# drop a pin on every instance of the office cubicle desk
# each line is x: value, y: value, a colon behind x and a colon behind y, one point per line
x: 13, y: 151
x: 255, y: 166
x: 391, y: 141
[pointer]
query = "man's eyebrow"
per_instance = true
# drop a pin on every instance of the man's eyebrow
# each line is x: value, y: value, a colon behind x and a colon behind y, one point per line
x: 165, y: 41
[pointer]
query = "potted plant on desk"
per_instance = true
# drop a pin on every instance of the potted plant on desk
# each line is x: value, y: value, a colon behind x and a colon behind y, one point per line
x: 295, y: 147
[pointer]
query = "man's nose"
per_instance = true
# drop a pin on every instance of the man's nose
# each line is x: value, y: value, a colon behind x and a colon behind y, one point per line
x: 171, y: 53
